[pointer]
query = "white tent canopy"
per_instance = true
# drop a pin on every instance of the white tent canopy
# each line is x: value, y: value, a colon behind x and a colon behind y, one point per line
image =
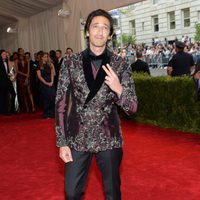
x: 39, y: 26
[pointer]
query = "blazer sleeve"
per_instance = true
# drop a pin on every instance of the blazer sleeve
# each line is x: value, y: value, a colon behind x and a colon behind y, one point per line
x: 62, y: 104
x: 128, y: 99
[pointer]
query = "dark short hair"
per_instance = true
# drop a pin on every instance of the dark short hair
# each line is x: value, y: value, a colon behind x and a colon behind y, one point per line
x: 28, y: 53
x: 139, y: 54
x: 97, y: 13
x: 39, y: 53
x: 68, y: 48
x: 1, y: 51
x: 58, y: 50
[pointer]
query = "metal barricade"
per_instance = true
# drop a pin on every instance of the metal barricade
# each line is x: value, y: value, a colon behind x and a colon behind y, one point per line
x: 157, y: 60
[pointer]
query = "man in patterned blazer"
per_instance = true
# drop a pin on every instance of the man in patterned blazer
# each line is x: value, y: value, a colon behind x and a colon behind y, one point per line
x: 91, y: 86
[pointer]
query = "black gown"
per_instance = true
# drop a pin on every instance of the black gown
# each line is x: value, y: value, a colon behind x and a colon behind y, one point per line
x: 47, y: 93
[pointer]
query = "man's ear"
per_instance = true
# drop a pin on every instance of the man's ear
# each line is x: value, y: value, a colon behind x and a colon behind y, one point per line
x: 110, y: 37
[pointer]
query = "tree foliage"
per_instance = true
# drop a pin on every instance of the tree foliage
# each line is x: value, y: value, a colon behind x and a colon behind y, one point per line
x: 197, y: 33
x: 128, y: 39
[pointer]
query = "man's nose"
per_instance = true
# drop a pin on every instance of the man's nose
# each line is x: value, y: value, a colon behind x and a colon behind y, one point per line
x: 100, y: 30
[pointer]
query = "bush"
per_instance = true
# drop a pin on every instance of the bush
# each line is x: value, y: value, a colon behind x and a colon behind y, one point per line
x: 168, y: 102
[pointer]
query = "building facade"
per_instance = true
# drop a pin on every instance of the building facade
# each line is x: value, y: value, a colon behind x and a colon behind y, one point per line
x: 158, y: 19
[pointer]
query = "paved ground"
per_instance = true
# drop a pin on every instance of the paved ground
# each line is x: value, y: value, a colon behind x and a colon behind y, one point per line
x: 158, y: 72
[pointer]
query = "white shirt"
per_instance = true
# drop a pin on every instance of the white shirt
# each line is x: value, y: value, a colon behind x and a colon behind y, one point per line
x: 59, y: 60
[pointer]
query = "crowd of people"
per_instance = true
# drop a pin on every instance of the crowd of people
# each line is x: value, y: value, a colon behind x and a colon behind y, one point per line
x: 28, y: 84
x: 87, y: 122
x: 179, y: 58
x: 159, y: 53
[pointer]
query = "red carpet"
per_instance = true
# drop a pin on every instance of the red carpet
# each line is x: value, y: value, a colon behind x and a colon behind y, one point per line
x: 158, y: 164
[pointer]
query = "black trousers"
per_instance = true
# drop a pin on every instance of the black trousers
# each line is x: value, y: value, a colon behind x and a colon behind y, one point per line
x: 8, y: 99
x: 77, y: 171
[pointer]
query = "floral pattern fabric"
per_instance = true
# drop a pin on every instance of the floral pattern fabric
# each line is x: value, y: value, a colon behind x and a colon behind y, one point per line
x: 94, y: 126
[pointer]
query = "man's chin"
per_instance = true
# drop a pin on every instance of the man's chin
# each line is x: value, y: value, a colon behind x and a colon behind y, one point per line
x: 99, y: 45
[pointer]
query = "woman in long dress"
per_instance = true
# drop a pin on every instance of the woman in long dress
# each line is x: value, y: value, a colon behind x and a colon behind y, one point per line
x: 24, y: 89
x: 13, y: 77
x: 46, y: 73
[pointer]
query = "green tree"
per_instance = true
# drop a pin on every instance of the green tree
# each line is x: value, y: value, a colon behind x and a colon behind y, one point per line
x: 124, y: 38
x: 197, y: 33
x: 131, y: 39
x: 128, y: 39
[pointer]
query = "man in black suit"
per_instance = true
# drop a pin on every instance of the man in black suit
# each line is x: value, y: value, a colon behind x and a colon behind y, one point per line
x: 139, y: 65
x: 57, y: 66
x: 182, y: 63
x: 7, y: 92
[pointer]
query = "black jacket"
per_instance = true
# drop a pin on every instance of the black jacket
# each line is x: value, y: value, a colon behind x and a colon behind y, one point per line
x: 4, y: 80
x: 140, y: 66
x: 181, y: 63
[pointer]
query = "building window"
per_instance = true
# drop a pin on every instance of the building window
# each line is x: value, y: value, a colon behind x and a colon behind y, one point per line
x: 132, y: 27
x: 172, y: 21
x: 186, y: 17
x: 155, y: 23
x: 155, y: 1
x: 142, y: 26
x: 115, y: 22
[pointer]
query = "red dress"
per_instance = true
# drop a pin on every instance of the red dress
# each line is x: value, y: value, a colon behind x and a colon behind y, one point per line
x: 23, y: 87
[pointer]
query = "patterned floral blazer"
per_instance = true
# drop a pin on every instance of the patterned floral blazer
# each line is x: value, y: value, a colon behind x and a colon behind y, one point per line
x: 86, y: 108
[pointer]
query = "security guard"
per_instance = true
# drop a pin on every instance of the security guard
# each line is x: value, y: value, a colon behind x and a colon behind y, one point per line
x: 182, y: 63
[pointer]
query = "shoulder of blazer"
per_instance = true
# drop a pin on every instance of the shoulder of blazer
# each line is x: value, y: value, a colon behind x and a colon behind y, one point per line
x: 117, y: 60
x: 72, y: 59
x: 2, y: 68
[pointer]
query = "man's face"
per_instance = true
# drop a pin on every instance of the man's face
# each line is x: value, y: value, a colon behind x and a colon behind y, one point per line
x: 99, y: 31
x: 58, y: 54
x: 4, y: 55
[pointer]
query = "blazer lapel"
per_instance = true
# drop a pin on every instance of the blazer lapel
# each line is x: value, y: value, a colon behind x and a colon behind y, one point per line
x: 94, y: 84
x: 87, y: 68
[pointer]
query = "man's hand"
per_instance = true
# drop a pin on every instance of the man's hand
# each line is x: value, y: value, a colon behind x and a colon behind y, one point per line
x: 169, y: 71
x: 112, y: 80
x: 197, y: 75
x: 65, y: 154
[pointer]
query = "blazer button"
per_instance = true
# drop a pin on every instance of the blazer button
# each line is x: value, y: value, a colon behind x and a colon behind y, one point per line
x: 81, y: 123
